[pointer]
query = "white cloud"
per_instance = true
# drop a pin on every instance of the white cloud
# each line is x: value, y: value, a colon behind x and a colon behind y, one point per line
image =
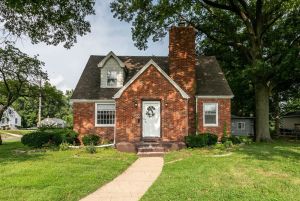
x: 65, y: 66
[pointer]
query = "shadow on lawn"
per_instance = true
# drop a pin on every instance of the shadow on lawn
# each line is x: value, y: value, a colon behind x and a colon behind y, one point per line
x: 277, y: 150
x: 15, y: 151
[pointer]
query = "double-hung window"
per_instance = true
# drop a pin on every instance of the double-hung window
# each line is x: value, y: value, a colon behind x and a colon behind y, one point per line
x: 105, y: 114
x: 210, y: 114
x: 112, y: 78
x: 241, y: 125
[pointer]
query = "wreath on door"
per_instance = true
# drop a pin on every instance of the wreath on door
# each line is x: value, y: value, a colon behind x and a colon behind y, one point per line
x: 150, y: 111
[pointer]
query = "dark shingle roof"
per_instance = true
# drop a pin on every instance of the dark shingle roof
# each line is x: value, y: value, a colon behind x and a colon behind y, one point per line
x: 210, y: 79
x: 292, y: 114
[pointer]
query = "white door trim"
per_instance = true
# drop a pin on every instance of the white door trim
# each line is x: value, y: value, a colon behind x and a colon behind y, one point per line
x: 151, y: 126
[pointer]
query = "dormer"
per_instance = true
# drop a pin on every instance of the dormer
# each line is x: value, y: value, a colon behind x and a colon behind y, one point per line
x: 111, y: 71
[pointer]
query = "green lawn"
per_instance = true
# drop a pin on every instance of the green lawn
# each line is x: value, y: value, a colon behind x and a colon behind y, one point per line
x: 20, y: 132
x: 252, y: 172
x: 56, y: 175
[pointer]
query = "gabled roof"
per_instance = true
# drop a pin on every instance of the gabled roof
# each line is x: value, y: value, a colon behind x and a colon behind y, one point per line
x: 292, y: 114
x: 150, y: 63
x: 111, y: 54
x: 210, y: 79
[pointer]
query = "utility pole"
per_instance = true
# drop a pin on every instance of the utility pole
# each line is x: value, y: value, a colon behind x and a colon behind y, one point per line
x: 40, y: 104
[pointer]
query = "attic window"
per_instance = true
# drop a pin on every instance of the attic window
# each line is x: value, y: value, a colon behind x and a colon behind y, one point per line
x: 112, y: 78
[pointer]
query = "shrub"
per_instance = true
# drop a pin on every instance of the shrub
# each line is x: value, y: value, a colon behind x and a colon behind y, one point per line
x: 235, y: 139
x: 91, y: 139
x: 49, y: 137
x: 64, y: 146
x: 246, y: 140
x: 36, y: 139
x: 201, y: 140
x: 228, y: 144
x: 91, y: 149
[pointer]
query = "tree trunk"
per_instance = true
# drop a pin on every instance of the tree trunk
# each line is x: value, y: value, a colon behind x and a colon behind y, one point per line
x: 262, y: 112
x: 1, y: 114
x: 277, y: 113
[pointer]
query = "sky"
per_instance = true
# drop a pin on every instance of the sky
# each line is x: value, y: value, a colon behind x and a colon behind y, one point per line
x: 64, y: 66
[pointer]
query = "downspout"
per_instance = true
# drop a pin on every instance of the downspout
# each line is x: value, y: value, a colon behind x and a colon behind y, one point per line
x: 187, y: 119
x: 115, y: 129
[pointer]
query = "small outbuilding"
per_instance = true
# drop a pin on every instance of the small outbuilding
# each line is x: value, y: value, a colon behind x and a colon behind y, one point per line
x: 290, y: 121
x: 53, y: 122
x: 242, y: 126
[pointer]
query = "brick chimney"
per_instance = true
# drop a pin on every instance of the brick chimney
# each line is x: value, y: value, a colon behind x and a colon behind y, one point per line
x: 182, y: 64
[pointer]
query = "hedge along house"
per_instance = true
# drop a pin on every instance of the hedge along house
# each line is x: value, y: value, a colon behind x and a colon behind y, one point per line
x: 136, y: 99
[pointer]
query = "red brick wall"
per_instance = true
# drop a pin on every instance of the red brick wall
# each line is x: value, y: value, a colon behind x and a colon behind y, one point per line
x: 182, y: 62
x: 224, y: 116
x: 151, y: 85
x: 84, y: 121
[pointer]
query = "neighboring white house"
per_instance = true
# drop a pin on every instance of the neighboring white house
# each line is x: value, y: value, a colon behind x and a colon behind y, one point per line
x: 10, y: 119
x: 291, y: 121
x: 53, y: 122
x: 242, y: 126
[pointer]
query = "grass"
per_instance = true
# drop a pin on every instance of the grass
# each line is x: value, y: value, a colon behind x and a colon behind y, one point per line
x: 41, y: 175
x: 19, y: 132
x: 251, y: 172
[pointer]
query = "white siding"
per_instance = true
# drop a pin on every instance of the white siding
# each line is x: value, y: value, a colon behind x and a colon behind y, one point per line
x: 112, y: 65
x: 289, y: 122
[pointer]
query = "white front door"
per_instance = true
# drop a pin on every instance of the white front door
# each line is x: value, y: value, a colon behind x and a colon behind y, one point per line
x: 151, y: 118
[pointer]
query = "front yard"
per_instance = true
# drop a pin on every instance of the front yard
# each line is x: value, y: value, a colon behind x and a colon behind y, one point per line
x: 56, y: 175
x: 252, y: 172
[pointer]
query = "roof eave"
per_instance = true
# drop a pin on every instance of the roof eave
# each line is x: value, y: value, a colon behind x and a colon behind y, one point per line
x: 151, y: 62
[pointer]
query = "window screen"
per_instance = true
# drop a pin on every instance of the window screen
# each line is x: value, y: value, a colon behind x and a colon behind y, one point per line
x: 106, y: 114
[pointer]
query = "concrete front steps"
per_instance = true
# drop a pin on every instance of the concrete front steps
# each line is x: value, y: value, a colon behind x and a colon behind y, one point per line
x: 150, y: 147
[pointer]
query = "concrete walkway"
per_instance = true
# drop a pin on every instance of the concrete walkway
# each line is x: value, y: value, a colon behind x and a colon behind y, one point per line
x: 132, y: 184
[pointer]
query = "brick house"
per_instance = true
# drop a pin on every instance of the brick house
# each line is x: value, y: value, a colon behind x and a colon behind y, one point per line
x: 132, y: 99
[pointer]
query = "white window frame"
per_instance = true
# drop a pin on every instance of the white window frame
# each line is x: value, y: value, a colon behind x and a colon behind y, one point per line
x: 96, y: 111
x: 115, y: 86
x: 243, y: 127
x: 217, y: 115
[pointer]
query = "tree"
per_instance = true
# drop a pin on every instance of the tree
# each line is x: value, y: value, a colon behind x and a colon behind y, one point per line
x: 49, y: 21
x: 19, y: 74
x: 54, y: 104
x: 245, y: 26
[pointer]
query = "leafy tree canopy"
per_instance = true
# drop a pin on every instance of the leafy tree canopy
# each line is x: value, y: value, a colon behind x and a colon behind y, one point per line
x: 261, y: 35
x: 49, y: 21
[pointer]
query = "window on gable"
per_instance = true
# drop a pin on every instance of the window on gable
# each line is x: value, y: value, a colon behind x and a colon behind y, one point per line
x: 210, y: 113
x: 105, y: 114
x: 241, y: 125
x: 112, y: 78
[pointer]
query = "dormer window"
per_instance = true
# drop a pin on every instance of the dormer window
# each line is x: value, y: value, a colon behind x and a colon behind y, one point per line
x: 112, y: 72
x: 112, y: 78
